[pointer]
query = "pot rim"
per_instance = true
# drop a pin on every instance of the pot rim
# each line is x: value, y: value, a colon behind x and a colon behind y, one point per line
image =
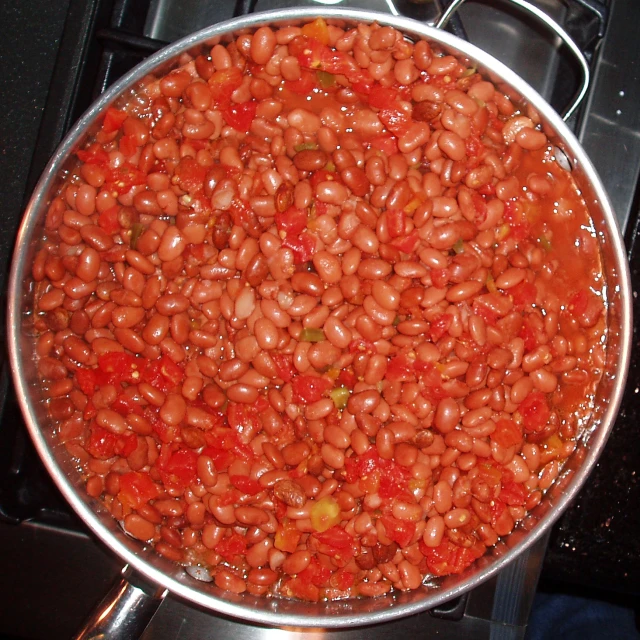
x: 275, y: 612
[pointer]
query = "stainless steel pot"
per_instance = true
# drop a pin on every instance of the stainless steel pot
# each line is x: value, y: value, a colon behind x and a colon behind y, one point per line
x: 115, y: 618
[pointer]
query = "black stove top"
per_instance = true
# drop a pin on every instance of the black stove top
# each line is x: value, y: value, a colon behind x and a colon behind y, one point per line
x: 62, y: 55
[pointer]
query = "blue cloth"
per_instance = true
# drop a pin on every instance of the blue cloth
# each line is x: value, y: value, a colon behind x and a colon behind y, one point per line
x: 564, y: 617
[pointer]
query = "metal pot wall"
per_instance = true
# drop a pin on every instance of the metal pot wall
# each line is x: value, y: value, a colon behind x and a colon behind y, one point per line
x: 273, y: 612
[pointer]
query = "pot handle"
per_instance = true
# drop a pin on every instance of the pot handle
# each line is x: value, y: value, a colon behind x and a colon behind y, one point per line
x: 556, y: 28
x: 124, y: 612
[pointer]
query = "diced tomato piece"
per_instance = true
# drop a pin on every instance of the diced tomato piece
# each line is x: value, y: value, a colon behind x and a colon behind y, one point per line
x: 242, y: 214
x: 383, y: 97
x: 163, y: 374
x: 171, y: 371
x: 89, y: 412
x: 284, y: 366
x: 180, y: 468
x: 513, y: 494
x: 102, y: 443
x: 304, y: 85
x: 439, y: 326
x: 431, y: 377
x: 301, y: 589
x: 244, y: 417
x: 400, y: 368
x: 127, y: 146
x: 408, y: 243
x: 224, y: 446
x: 113, y: 120
x: 318, y: 30
x: 347, y: 378
x: 351, y: 469
x: 310, y: 52
x: 118, y: 367
x: 497, y: 509
x: 385, y: 477
x: 231, y: 546
x: 367, y: 462
x: 507, y: 433
x: 108, y: 219
x: 292, y: 221
x: 303, y: 247
x: 473, y: 146
x: 137, y: 489
x: 322, y: 175
x: 313, y: 54
x: 94, y: 154
x: 448, y: 558
x: 125, y: 405
x: 439, y: 277
x: 315, y: 573
x: 280, y: 509
x: 287, y: 536
x: 515, y: 217
x: 125, y: 176
x: 393, y: 480
x: 334, y: 537
x: 528, y: 335
x: 246, y: 485
x: 342, y: 580
x: 126, y: 445
x: 399, y: 531
x: 223, y: 83
x: 309, y: 389
x: 240, y: 116
x: 483, y: 311
x: 360, y: 345
x: 480, y: 206
x: 190, y: 175
x: 361, y: 80
x: 87, y: 381
x: 523, y: 294
x: 395, y: 120
x: 386, y: 143
x: 490, y: 474
x: 396, y: 219
x: 487, y: 190
x: 535, y: 412
x: 578, y: 302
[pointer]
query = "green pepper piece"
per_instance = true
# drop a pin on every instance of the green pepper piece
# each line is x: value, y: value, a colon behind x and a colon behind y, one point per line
x: 137, y: 229
x: 545, y: 242
x: 305, y: 146
x: 310, y: 334
x: 340, y: 396
x: 325, y: 79
x: 458, y: 247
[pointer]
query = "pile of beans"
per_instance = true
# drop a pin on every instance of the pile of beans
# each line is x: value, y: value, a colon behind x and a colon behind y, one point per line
x: 319, y: 311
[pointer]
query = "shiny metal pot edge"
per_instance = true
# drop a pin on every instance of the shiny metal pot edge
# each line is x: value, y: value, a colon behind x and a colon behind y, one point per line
x: 272, y: 611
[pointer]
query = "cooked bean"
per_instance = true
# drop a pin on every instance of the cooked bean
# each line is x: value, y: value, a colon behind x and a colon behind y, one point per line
x: 141, y: 529
x: 434, y: 531
x: 111, y: 421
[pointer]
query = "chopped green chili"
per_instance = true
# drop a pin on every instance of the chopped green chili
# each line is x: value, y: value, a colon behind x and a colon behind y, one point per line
x: 325, y: 79
x: 310, y: 334
x: 137, y: 229
x: 305, y: 146
x: 340, y: 396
